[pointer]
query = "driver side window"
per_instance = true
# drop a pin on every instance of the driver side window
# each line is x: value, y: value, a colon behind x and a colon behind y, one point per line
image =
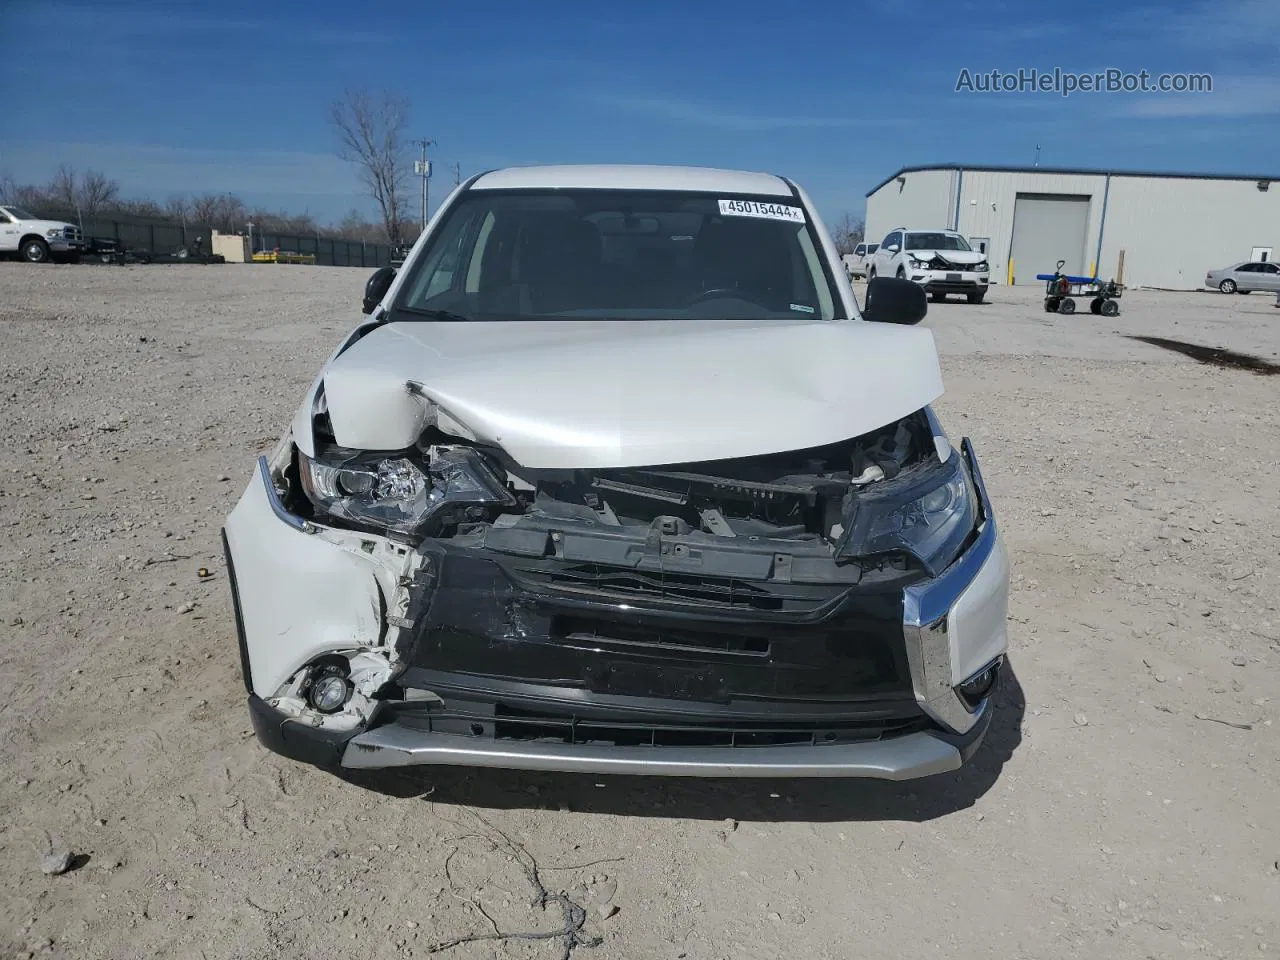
x: 892, y: 239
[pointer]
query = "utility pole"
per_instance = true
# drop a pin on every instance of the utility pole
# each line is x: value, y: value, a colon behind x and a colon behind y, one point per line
x: 457, y: 173
x: 423, y: 169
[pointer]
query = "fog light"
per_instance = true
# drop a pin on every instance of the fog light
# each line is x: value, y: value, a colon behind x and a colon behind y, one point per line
x: 974, y: 690
x: 329, y: 691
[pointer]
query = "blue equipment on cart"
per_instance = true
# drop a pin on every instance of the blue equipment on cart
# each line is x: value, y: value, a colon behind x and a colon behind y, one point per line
x: 1061, y: 289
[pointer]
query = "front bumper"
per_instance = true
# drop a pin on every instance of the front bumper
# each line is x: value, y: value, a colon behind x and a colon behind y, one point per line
x: 62, y: 245
x: 299, y: 591
x: 950, y: 281
x: 908, y: 757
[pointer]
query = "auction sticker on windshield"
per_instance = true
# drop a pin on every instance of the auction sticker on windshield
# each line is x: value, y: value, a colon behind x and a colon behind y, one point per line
x: 754, y: 208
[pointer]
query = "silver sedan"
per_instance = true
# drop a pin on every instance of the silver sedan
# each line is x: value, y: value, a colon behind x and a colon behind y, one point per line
x: 1245, y: 277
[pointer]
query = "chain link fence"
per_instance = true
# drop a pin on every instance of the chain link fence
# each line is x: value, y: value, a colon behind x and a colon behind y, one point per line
x: 162, y: 237
x: 328, y: 252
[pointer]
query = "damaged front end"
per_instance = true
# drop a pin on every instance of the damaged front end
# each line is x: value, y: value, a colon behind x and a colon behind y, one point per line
x: 802, y: 613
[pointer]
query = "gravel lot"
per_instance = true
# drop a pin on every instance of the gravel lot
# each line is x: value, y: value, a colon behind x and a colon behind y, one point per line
x: 1124, y: 804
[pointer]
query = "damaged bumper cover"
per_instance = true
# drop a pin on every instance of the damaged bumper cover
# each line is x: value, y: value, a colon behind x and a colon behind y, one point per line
x: 903, y: 758
x: 488, y: 667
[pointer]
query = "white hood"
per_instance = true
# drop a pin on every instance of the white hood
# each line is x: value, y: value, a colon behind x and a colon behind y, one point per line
x: 576, y: 394
x: 954, y: 256
x: 43, y: 226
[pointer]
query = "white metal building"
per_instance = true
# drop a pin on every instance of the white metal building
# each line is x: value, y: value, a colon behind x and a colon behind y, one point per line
x: 1172, y: 227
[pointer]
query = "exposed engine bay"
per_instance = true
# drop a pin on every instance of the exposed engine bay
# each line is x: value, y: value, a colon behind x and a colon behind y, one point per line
x: 803, y: 494
x: 940, y: 262
x: 781, y: 516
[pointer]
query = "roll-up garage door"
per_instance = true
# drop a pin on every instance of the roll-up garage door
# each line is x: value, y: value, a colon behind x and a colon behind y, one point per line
x: 1048, y: 228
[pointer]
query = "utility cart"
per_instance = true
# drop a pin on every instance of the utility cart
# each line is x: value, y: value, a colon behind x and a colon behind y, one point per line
x: 1061, y: 291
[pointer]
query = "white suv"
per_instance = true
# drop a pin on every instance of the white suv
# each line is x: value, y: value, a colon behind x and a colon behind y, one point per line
x: 941, y: 261
x: 617, y: 477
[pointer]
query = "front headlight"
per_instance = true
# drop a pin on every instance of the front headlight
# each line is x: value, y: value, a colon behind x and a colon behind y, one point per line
x: 929, y: 514
x: 982, y: 266
x: 55, y: 232
x: 918, y: 264
x: 400, y: 493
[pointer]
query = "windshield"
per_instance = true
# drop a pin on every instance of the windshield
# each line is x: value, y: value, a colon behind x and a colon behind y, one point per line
x: 936, y: 241
x: 619, y: 255
x: 19, y: 214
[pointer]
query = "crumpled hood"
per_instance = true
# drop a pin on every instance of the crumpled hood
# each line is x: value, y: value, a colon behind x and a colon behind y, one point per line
x: 952, y: 256
x: 579, y: 394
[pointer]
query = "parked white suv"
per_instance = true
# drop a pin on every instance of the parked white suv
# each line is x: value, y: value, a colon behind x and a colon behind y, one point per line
x: 617, y: 477
x: 36, y: 240
x: 941, y: 261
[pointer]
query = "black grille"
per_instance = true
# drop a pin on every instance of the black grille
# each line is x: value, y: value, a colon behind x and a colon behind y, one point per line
x: 483, y: 627
x: 514, y: 723
x: 618, y: 633
x: 722, y: 592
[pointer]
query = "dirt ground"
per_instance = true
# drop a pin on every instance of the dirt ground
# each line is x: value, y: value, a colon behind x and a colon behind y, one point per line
x: 1123, y: 806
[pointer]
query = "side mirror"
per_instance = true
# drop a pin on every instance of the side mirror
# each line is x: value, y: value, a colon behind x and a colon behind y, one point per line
x: 893, y: 248
x: 890, y: 300
x: 377, y: 286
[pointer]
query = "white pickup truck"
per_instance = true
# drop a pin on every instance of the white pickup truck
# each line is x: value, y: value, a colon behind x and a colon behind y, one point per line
x: 36, y: 240
x: 855, y: 264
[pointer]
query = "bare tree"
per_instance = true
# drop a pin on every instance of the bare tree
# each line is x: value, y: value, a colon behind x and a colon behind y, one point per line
x: 847, y: 233
x: 205, y: 209
x: 225, y: 212
x: 62, y: 188
x: 34, y: 198
x: 95, y: 191
x: 178, y: 207
x: 370, y: 133
x: 137, y: 208
x: 354, y: 226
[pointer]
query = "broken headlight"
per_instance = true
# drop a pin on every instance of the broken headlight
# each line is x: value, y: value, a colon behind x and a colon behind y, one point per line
x: 927, y: 513
x: 399, y: 493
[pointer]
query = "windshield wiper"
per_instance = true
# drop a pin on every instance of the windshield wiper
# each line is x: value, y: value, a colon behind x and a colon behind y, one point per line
x: 434, y: 314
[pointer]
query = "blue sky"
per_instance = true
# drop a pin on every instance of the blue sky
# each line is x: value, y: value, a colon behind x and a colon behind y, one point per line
x: 232, y: 96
